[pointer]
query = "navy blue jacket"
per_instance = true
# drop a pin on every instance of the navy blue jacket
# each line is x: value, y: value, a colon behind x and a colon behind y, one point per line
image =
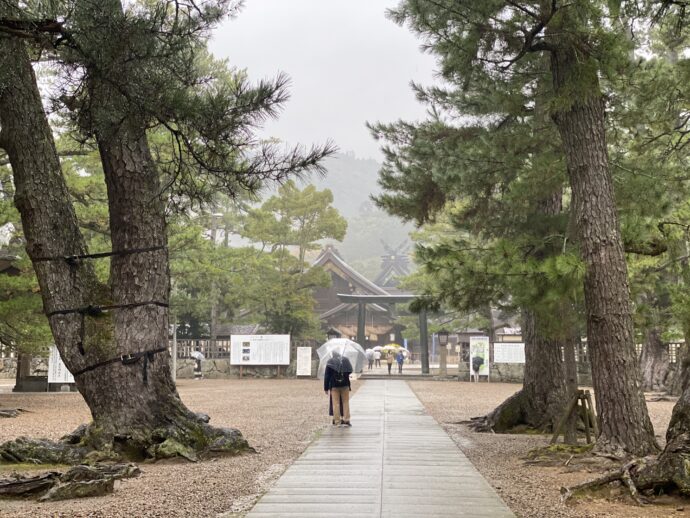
x: 329, y: 378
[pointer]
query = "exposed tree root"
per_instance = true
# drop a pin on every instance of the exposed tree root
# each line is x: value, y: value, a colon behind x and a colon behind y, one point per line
x: 573, y: 458
x: 665, y: 474
x: 655, y: 397
x: 192, y: 439
x: 11, y: 412
x: 78, y: 482
x: 517, y: 414
x: 504, y: 418
x: 622, y: 475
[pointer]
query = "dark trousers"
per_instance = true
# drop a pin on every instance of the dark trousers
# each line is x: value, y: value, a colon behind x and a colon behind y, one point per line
x: 399, y: 368
x: 389, y: 367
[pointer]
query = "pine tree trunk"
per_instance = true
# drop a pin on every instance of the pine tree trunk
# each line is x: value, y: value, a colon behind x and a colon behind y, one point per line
x: 657, y: 373
x: 136, y: 409
x: 146, y: 400
x: 48, y: 219
x: 625, y: 427
x: 544, y: 383
x: 544, y: 394
x: 542, y: 399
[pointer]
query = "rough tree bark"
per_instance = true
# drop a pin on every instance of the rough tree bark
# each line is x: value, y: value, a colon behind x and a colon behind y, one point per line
x: 136, y: 410
x: 667, y: 473
x: 625, y: 427
x: 657, y: 372
x: 570, y: 342
x: 542, y: 399
x: 681, y: 378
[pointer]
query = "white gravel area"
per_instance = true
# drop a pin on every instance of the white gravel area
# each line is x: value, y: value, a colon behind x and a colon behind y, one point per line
x: 278, y: 417
x: 530, y: 491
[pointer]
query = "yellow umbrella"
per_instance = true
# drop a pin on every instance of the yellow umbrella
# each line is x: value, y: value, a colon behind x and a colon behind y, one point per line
x: 395, y: 348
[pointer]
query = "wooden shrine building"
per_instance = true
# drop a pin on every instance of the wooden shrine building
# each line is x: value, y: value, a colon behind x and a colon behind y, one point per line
x: 380, y: 327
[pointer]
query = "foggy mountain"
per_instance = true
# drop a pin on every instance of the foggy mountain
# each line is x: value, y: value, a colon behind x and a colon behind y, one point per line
x: 352, y: 181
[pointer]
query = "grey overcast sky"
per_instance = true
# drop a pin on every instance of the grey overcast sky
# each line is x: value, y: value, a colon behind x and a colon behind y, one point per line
x: 348, y: 64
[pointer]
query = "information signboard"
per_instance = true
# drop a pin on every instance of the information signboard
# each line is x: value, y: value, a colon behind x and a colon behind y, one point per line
x: 260, y: 350
x: 479, y: 355
x: 509, y: 352
x: 304, y: 361
x: 57, y: 372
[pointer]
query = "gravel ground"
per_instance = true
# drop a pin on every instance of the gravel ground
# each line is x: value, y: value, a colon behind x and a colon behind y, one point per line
x: 278, y: 417
x: 280, y: 428
x: 530, y: 491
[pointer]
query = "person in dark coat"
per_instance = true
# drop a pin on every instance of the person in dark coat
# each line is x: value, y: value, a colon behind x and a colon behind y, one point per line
x: 336, y: 382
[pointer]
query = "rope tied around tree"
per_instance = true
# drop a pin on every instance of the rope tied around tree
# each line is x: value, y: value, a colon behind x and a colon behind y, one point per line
x: 73, y: 260
x: 97, y: 311
x: 127, y: 359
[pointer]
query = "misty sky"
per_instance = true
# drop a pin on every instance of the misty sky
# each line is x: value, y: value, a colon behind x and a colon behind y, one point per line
x: 348, y: 64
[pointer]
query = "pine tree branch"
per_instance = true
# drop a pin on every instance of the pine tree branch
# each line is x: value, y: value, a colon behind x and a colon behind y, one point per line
x: 530, y: 45
x: 62, y: 154
x: 650, y: 248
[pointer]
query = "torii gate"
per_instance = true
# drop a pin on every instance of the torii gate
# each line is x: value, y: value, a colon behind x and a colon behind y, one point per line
x: 363, y: 300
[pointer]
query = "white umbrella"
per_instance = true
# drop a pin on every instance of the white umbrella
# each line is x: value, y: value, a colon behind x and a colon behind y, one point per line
x: 370, y: 354
x: 346, y: 348
x: 377, y: 348
x: 197, y: 355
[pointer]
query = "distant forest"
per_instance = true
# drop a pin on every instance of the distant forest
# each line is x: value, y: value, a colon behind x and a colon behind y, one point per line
x: 353, y: 180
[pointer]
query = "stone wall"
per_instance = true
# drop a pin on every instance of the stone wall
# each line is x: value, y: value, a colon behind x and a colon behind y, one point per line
x: 515, y: 372
x: 8, y: 367
x: 499, y: 372
x: 221, y: 369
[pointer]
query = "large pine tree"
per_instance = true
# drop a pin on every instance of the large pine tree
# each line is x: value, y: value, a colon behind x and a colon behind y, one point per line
x: 124, y: 73
x: 506, y: 47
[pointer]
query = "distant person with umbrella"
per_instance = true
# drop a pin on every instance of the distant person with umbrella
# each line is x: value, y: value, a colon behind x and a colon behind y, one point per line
x: 198, y: 357
x: 336, y: 382
x: 389, y: 361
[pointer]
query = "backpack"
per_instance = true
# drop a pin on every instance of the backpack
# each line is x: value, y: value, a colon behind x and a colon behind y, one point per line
x: 340, y: 379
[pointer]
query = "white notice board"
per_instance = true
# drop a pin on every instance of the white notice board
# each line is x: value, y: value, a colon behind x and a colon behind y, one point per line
x: 509, y: 352
x: 260, y: 350
x: 479, y: 355
x: 57, y: 372
x: 304, y: 361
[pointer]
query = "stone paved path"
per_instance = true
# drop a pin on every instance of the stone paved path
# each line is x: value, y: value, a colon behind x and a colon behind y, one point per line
x: 395, y: 461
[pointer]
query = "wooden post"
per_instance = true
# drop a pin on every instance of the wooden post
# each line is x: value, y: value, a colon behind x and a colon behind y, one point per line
x: 584, y: 412
x: 569, y: 410
x: 592, y: 414
x: 361, y: 323
x: 424, y: 341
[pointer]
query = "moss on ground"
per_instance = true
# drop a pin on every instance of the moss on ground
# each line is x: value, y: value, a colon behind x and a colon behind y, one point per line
x: 26, y: 467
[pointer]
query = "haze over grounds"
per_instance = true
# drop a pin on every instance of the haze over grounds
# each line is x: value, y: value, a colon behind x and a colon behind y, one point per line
x: 348, y: 64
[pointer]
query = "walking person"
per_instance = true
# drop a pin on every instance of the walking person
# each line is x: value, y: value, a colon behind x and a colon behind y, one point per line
x: 377, y: 358
x: 400, y: 358
x: 389, y: 361
x: 370, y: 358
x: 336, y: 383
